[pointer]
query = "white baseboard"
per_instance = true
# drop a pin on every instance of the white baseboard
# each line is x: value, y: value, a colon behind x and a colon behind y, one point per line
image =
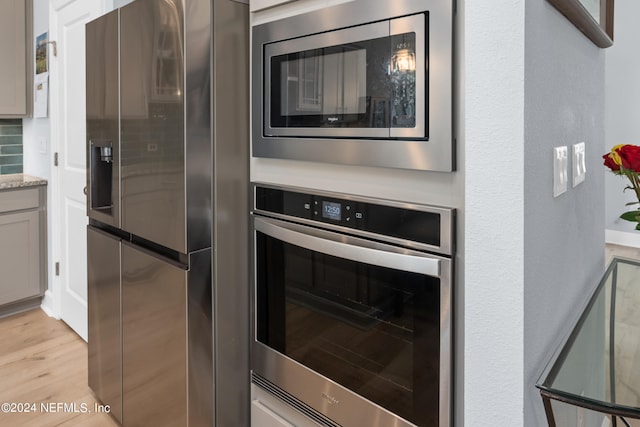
x: 623, y: 238
x: 47, y: 305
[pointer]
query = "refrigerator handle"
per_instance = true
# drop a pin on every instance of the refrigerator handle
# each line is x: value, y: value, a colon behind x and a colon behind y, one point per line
x: 157, y: 255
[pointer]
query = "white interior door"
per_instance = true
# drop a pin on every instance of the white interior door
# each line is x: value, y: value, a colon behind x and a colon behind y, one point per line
x: 68, y: 133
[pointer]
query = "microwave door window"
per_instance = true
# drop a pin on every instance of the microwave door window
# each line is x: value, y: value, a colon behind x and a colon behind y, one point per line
x: 309, y: 100
x: 301, y: 85
x: 337, y: 86
x: 327, y: 85
x: 345, y: 83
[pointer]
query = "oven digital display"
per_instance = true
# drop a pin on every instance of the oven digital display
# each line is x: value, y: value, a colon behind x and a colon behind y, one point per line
x: 331, y: 210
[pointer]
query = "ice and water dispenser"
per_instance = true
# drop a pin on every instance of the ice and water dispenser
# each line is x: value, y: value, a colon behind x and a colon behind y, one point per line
x: 102, y: 176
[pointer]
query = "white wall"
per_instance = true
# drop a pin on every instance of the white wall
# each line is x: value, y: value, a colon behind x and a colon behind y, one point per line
x: 36, y: 132
x: 622, y: 108
x: 493, y: 95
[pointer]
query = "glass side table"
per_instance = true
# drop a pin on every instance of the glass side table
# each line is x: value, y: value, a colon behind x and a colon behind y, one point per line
x: 593, y: 380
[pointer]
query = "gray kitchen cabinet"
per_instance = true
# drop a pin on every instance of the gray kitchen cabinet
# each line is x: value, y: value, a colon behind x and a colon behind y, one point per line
x: 16, y: 66
x: 22, y: 248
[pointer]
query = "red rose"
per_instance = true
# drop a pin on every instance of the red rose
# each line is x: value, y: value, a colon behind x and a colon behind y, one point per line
x: 610, y: 163
x: 630, y: 156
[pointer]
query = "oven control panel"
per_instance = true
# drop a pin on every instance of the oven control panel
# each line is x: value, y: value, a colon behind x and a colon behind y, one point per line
x: 423, y: 224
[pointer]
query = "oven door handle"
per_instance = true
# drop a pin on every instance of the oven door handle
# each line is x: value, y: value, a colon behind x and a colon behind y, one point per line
x: 349, y: 247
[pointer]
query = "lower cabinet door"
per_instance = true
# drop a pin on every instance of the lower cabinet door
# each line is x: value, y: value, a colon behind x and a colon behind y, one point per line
x: 105, y: 342
x: 154, y: 340
x: 19, y: 256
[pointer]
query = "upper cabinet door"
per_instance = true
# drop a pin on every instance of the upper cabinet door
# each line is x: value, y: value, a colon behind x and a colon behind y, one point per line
x: 16, y: 66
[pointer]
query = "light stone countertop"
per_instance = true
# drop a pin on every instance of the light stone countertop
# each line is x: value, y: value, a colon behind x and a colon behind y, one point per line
x: 19, y: 180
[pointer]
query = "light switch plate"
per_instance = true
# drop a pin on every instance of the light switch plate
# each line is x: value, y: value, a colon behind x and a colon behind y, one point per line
x: 560, y: 177
x: 42, y: 145
x: 578, y: 165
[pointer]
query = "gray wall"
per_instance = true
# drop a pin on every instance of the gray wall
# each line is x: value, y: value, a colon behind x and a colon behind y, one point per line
x: 564, y: 236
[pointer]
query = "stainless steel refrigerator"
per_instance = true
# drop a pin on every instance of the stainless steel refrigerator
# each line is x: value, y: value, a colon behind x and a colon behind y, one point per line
x: 167, y: 180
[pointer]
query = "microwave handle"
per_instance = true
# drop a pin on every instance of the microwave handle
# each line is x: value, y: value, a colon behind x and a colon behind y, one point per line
x: 348, y: 247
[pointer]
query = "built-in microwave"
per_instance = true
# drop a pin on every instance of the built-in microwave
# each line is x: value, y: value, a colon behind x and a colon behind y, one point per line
x: 368, y: 82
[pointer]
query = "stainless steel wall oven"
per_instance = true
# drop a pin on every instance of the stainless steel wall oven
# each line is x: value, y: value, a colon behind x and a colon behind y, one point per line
x: 367, y: 82
x: 352, y: 307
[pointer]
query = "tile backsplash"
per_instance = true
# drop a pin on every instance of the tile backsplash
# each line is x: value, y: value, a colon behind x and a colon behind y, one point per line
x: 10, y: 146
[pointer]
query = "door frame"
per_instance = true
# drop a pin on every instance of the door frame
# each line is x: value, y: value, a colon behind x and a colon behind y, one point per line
x: 52, y: 301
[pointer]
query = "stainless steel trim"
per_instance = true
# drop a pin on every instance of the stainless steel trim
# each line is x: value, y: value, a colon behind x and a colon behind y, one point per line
x: 199, y: 350
x: 446, y: 218
x: 436, y: 154
x: 230, y: 228
x: 347, y: 247
x: 198, y: 146
x: 446, y: 343
x: 347, y: 35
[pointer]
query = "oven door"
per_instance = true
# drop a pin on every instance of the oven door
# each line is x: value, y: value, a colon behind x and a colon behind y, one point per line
x: 366, y: 81
x: 358, y: 330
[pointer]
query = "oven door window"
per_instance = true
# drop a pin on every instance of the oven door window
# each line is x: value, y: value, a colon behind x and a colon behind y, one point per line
x: 371, y: 329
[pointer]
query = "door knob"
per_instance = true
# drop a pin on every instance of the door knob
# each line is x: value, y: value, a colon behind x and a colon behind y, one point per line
x: 84, y: 190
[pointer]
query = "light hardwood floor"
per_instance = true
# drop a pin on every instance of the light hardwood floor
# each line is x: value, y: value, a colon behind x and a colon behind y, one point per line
x: 43, y: 365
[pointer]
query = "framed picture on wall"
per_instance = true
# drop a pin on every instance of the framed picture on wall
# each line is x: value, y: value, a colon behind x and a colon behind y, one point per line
x: 593, y: 17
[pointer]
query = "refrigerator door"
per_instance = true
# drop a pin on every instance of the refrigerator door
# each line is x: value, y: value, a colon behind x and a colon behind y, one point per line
x: 152, y: 122
x: 105, y: 339
x: 154, y: 339
x: 103, y: 133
